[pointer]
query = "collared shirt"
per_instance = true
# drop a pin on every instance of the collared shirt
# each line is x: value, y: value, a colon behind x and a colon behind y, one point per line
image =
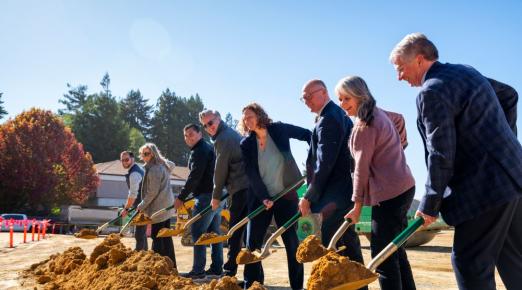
x: 320, y: 111
x: 134, y: 184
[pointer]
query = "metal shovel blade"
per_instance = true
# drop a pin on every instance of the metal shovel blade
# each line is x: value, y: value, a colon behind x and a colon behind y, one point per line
x: 356, y: 284
x: 86, y: 234
x: 166, y: 232
x: 252, y: 257
x: 211, y: 241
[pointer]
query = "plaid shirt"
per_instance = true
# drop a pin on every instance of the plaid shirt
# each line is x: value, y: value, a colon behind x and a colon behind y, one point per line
x: 471, y: 151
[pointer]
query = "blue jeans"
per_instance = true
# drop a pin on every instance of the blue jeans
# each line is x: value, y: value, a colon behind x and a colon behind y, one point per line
x: 210, y: 222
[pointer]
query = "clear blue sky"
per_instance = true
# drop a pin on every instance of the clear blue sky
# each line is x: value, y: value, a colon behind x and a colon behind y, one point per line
x: 234, y: 52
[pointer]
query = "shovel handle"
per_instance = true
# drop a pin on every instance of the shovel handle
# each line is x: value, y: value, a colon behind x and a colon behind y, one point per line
x: 203, y: 212
x: 266, y: 249
x: 292, y: 220
x: 276, y: 197
x: 128, y: 223
x: 339, y: 233
x: 395, y: 244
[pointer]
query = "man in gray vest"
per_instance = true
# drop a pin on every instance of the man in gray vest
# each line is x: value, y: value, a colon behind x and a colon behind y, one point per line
x: 133, y: 178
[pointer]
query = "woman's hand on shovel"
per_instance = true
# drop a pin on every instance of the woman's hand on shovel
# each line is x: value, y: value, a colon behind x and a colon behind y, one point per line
x: 268, y: 203
x: 355, y: 213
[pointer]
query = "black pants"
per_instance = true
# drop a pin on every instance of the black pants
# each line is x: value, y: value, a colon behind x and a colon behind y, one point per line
x: 163, y: 246
x: 388, y: 220
x: 331, y: 221
x: 282, y: 211
x: 238, y: 211
x: 494, y: 238
x: 140, y: 234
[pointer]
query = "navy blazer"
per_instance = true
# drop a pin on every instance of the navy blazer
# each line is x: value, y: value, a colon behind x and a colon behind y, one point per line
x: 472, y: 153
x: 508, y: 98
x: 329, y: 161
x: 280, y: 134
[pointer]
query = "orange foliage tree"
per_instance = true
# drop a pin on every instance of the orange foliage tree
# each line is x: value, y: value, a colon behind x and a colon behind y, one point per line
x: 42, y: 165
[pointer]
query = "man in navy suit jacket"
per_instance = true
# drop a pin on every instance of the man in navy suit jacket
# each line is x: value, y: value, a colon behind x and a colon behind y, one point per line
x: 328, y: 168
x: 474, y: 164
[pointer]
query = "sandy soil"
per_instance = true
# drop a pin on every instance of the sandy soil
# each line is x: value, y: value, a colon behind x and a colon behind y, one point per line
x: 431, y: 262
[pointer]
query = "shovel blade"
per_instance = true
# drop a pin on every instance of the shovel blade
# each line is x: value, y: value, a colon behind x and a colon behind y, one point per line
x: 211, y: 241
x: 87, y: 237
x: 355, y: 284
x: 165, y: 232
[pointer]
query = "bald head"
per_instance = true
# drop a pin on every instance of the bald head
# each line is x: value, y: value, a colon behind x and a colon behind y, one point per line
x: 315, y: 95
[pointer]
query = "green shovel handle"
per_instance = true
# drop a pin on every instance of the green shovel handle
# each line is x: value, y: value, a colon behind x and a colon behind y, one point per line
x: 292, y: 220
x: 209, y: 207
x: 276, y: 197
x: 404, y: 235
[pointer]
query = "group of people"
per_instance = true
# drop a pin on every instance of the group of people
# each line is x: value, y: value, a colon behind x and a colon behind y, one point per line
x: 468, y: 126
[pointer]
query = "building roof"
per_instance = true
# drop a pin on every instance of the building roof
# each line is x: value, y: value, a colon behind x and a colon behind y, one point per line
x: 115, y: 168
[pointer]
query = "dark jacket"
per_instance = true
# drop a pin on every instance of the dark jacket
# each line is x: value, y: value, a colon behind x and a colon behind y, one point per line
x: 230, y: 168
x: 471, y: 149
x: 135, y: 168
x: 508, y: 98
x: 201, y: 164
x: 280, y: 134
x: 329, y: 162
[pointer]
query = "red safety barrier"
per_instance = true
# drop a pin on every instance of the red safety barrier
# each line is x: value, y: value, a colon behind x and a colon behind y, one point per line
x: 32, y: 230
x: 11, y: 230
x: 25, y: 233
x: 39, y: 230
x: 52, y: 233
x: 44, y: 228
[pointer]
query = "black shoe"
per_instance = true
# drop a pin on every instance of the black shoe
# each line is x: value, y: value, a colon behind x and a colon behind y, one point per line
x: 229, y: 273
x: 193, y: 275
x: 213, y: 274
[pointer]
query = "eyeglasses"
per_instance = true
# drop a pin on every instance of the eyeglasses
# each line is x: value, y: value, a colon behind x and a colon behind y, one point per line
x: 145, y: 154
x: 210, y: 123
x: 125, y: 160
x: 308, y: 96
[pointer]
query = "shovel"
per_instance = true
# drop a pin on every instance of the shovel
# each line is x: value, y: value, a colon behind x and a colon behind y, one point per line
x: 383, y: 255
x: 260, y: 255
x: 101, y: 228
x: 124, y: 228
x: 167, y: 232
x: 161, y: 211
x: 249, y: 217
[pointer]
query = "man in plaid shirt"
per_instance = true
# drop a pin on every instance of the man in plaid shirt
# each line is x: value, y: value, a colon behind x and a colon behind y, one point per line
x: 474, y: 164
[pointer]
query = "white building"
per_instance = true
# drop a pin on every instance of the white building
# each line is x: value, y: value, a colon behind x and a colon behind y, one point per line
x: 113, y: 190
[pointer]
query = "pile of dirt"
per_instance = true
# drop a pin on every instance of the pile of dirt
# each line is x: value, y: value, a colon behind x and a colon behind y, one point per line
x: 225, y: 283
x: 206, y: 236
x: 86, y: 233
x: 310, y: 250
x: 245, y: 256
x: 141, y: 219
x: 333, y: 270
x: 257, y: 286
x: 110, y: 266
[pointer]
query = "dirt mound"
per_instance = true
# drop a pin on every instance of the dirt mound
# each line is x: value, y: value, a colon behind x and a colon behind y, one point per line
x: 206, y: 236
x: 310, y: 250
x: 245, y: 256
x: 86, y: 233
x: 110, y: 266
x: 141, y: 219
x: 257, y: 286
x: 333, y: 269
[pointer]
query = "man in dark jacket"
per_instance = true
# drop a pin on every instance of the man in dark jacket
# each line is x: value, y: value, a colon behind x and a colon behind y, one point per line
x: 133, y: 178
x: 230, y: 173
x: 199, y: 183
x: 474, y: 163
x: 328, y: 169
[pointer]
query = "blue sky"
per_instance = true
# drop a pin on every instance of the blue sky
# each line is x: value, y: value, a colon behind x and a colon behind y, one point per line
x: 235, y: 52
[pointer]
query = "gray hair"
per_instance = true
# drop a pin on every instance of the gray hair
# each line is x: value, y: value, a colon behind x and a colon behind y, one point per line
x: 414, y: 44
x: 205, y: 113
x: 356, y: 87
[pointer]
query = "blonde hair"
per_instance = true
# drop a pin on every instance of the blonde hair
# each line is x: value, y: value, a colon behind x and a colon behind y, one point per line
x: 156, y: 157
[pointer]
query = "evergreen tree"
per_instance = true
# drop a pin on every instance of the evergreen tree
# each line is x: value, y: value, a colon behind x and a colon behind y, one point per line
x: 3, y: 112
x: 136, y: 112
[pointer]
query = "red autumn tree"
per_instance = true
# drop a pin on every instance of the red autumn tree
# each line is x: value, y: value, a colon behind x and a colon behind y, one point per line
x: 42, y: 165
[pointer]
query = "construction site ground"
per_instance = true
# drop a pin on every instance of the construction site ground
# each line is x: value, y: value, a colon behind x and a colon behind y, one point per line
x: 431, y: 262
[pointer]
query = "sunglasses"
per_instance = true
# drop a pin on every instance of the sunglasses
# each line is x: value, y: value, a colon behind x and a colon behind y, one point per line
x: 125, y: 160
x: 210, y: 123
x: 145, y: 154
